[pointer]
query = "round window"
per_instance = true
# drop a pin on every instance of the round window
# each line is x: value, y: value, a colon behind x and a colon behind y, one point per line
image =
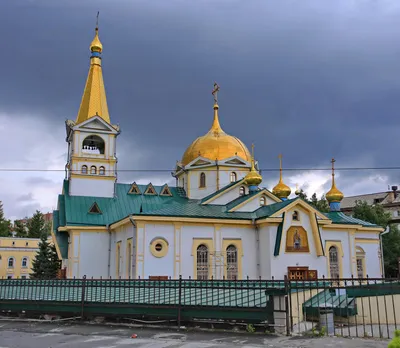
x: 159, y: 247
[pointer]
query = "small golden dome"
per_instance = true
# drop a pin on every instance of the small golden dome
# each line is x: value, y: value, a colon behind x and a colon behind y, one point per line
x: 253, y: 178
x: 96, y: 45
x: 334, y: 195
x: 216, y: 145
x: 281, y: 190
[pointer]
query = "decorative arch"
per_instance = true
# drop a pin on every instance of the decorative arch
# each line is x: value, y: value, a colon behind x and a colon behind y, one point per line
x: 263, y: 200
x: 297, y: 240
x: 361, y: 264
x: 334, y: 267
x: 233, y: 177
x: 93, y: 144
x: 24, y: 262
x: 84, y: 169
x: 202, y: 182
x: 93, y: 170
x: 102, y: 171
x: 11, y: 262
x: 242, y: 191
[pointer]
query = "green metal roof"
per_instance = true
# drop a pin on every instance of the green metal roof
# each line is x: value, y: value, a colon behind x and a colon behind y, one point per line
x: 74, y: 210
x: 338, y: 217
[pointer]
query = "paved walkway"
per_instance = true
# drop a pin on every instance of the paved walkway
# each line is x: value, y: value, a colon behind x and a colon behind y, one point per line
x: 43, y: 335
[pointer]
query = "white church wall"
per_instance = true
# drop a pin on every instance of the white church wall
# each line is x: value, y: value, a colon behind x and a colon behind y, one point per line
x: 91, y: 188
x: 280, y: 264
x: 229, y: 196
x: 225, y: 175
x: 91, y: 249
x: 190, y: 233
x: 372, y: 260
x: 367, y: 235
x: 254, y: 204
x: 342, y: 236
x: 197, y: 192
x: 159, y: 266
x: 247, y: 237
x: 267, y: 236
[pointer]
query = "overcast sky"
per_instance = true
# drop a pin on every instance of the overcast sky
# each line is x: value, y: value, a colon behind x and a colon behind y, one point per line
x: 309, y: 79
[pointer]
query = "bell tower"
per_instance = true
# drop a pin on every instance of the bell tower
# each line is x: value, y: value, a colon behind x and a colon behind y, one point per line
x: 91, y: 138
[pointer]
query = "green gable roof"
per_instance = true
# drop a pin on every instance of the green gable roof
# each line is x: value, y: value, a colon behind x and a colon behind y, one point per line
x: 338, y: 217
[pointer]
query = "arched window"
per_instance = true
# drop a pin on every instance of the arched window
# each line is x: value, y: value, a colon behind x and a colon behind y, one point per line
x: 84, y: 170
x: 241, y: 191
x: 231, y: 263
x: 93, y: 170
x: 93, y: 144
x: 295, y: 216
x: 360, y: 257
x: 11, y: 262
x: 24, y: 262
x: 263, y: 201
x: 334, y: 262
x: 233, y: 177
x: 102, y: 170
x: 202, y: 262
x: 202, y: 180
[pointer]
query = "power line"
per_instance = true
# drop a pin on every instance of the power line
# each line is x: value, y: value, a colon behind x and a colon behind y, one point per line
x: 204, y: 169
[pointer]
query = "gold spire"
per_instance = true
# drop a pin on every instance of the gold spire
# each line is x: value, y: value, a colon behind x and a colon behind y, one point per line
x: 281, y: 190
x: 253, y: 178
x: 334, y: 195
x: 94, y: 101
x: 216, y: 127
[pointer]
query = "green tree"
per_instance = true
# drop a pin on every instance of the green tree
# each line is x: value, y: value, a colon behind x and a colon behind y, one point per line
x: 20, y: 229
x: 320, y: 204
x: 5, y: 225
x: 46, y: 263
x: 390, y: 242
x: 36, y: 225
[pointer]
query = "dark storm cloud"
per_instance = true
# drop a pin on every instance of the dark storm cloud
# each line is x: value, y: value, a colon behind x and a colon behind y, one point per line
x: 310, y: 79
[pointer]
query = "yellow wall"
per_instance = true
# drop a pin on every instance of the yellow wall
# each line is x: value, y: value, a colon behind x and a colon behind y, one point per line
x: 17, y: 248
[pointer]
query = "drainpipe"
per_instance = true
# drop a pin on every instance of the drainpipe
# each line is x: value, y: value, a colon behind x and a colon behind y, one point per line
x: 109, y: 250
x: 133, y: 245
x: 257, y: 247
x: 381, y: 247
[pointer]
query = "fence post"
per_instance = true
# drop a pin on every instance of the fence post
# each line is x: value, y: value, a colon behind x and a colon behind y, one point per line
x: 83, y: 296
x: 179, y: 301
x: 287, y: 307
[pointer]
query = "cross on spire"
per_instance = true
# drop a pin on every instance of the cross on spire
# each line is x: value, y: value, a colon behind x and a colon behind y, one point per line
x: 333, y: 166
x: 97, y: 20
x: 215, y: 92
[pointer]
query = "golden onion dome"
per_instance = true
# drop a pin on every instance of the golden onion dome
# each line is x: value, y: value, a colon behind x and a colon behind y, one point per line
x: 334, y: 195
x: 96, y: 45
x: 216, y: 145
x: 253, y: 178
x: 281, y: 190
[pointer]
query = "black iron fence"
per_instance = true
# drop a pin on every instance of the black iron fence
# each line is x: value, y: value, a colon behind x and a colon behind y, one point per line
x: 344, y: 307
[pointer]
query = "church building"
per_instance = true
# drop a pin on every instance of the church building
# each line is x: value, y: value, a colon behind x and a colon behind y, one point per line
x: 218, y: 221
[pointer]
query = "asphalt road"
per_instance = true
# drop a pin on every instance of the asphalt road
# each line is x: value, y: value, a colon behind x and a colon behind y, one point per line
x: 50, y: 335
